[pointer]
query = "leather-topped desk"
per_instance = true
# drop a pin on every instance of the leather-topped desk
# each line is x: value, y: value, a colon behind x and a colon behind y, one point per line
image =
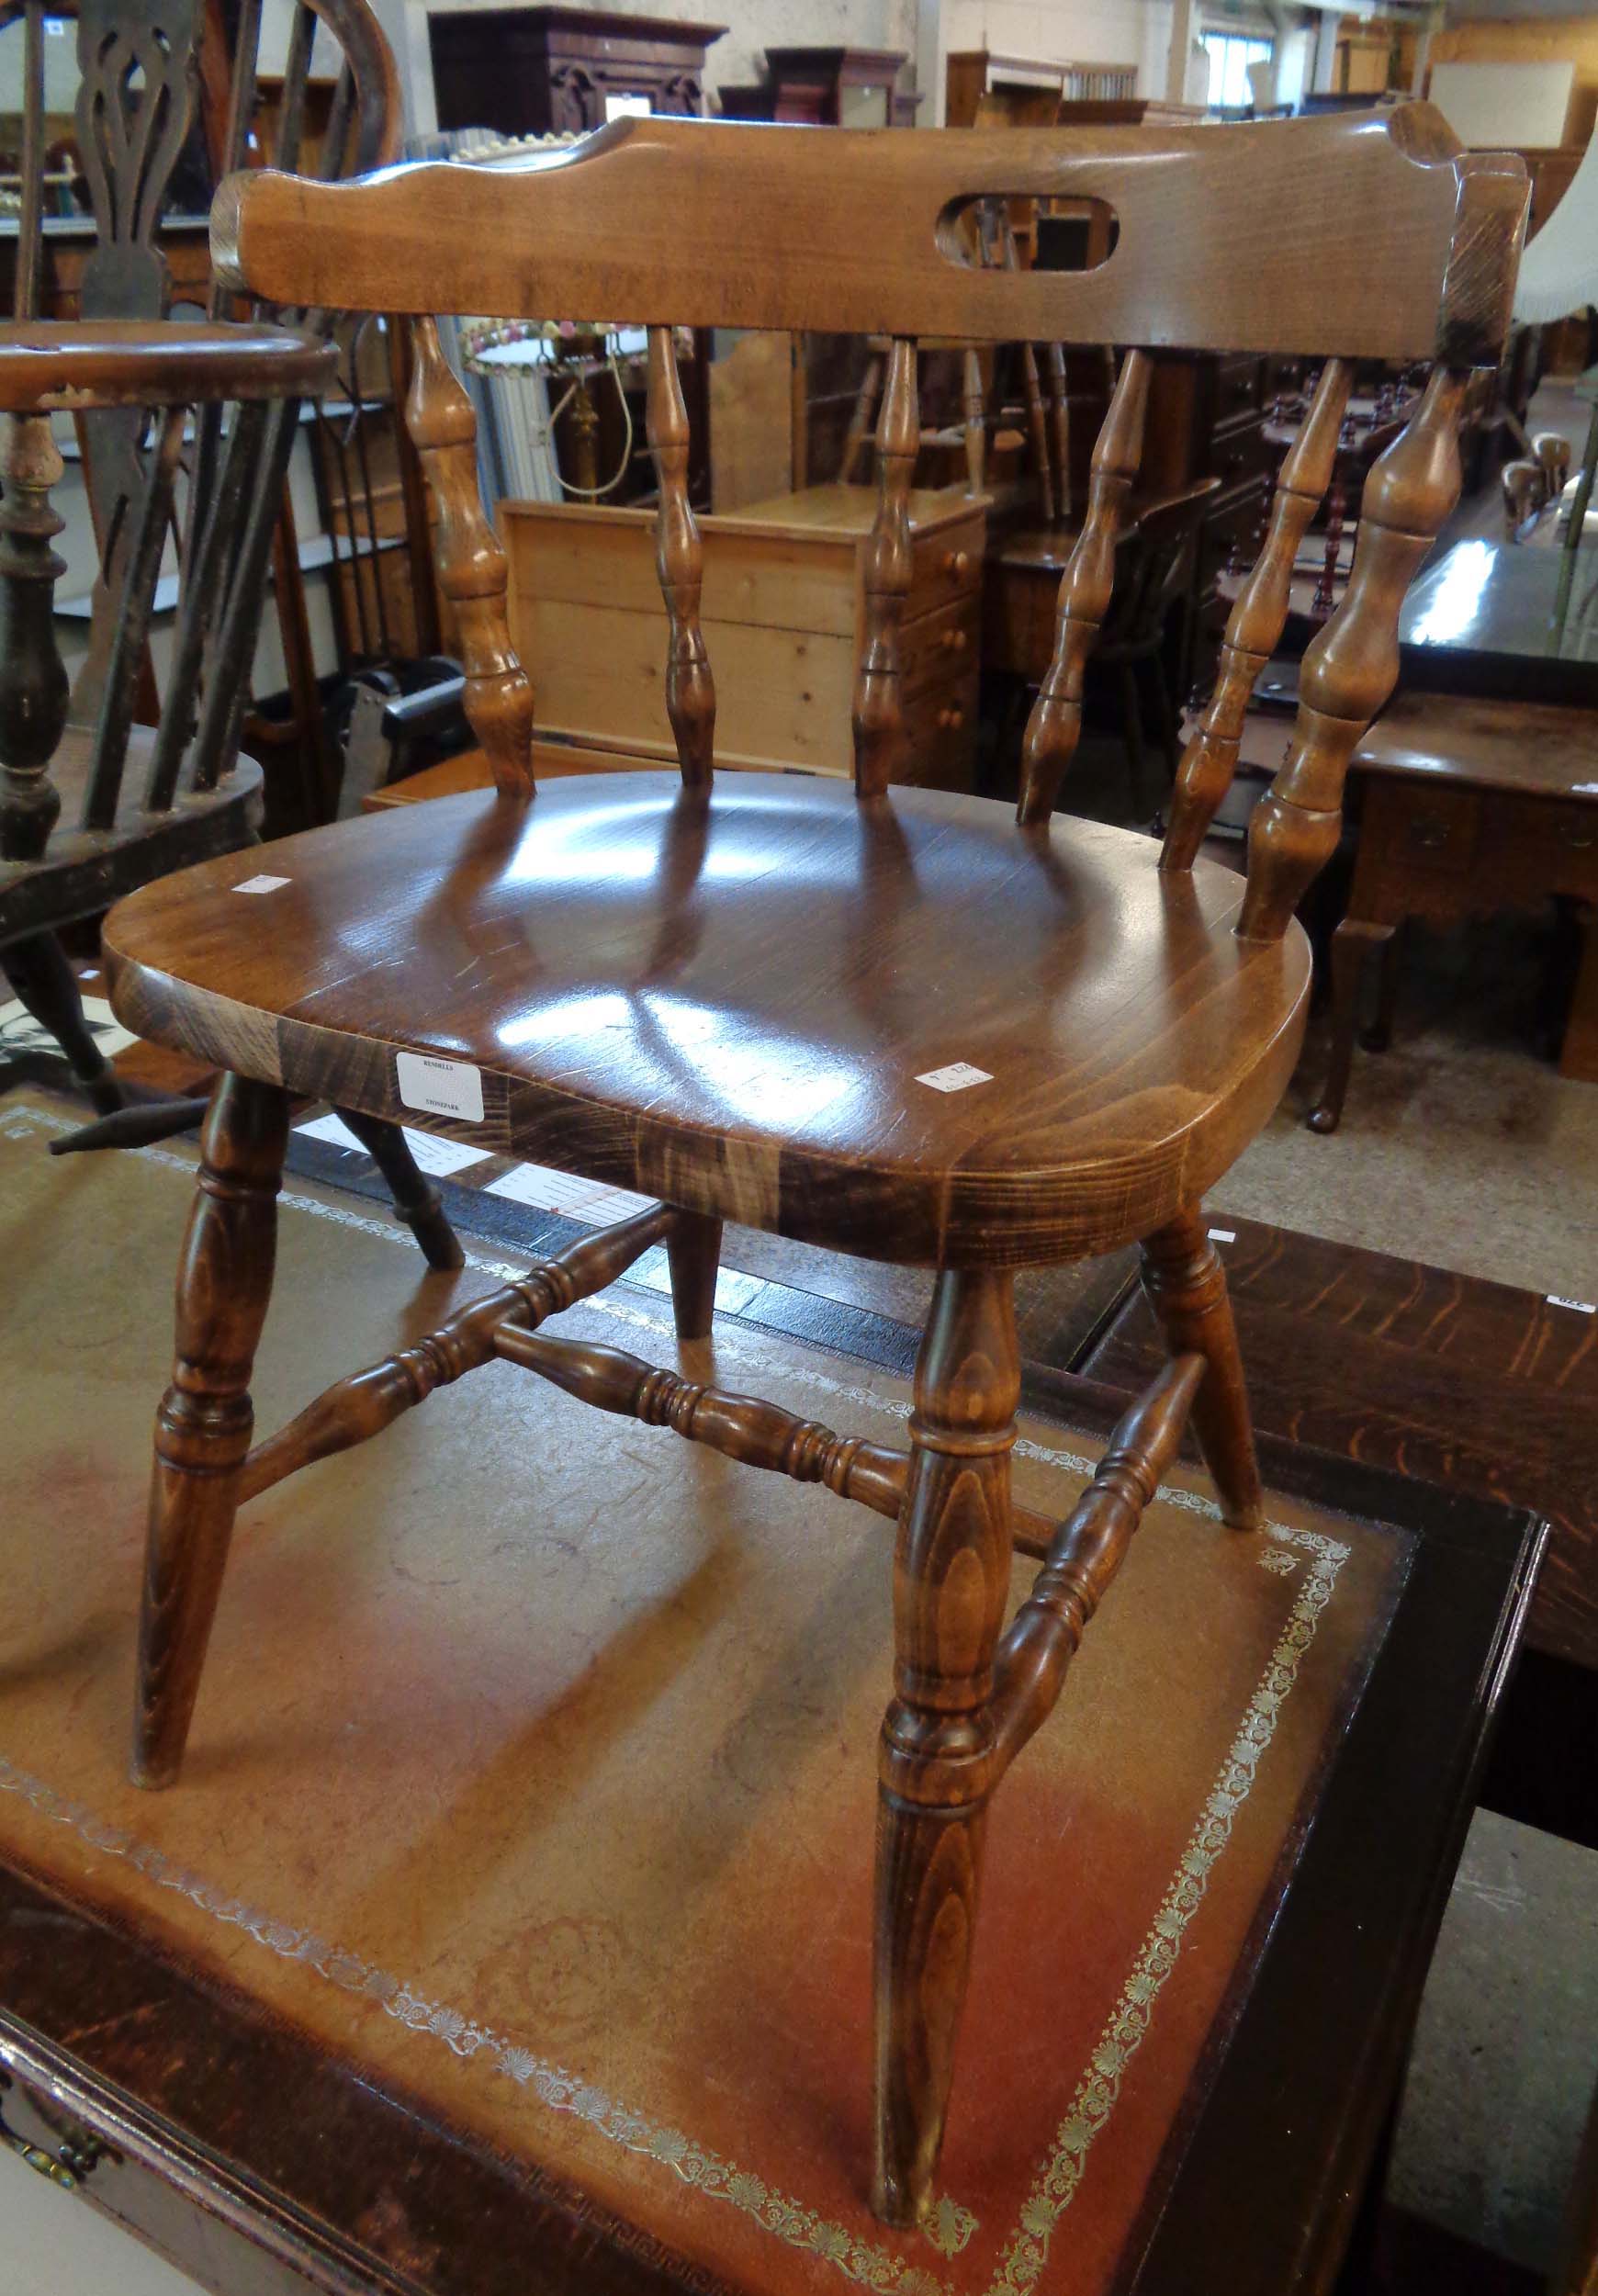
x: 318, y: 2000
x: 1471, y: 805
x: 1480, y: 1387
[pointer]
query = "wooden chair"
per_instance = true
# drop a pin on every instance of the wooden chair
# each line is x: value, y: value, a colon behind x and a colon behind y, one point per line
x: 988, y: 239
x: 887, y: 1021
x: 92, y: 803
x: 185, y: 427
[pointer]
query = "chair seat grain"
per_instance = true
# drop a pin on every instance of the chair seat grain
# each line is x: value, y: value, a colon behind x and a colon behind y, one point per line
x: 729, y: 1000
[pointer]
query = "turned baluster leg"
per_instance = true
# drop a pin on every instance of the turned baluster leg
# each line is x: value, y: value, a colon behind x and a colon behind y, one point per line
x: 1186, y: 1286
x: 37, y: 970
x: 203, y: 1427
x: 416, y: 1201
x: 693, y: 1253
x: 937, y: 1761
x: 33, y: 680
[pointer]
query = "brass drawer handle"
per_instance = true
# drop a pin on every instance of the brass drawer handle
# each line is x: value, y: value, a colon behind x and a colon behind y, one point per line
x: 957, y: 562
x: 950, y: 718
x: 953, y: 641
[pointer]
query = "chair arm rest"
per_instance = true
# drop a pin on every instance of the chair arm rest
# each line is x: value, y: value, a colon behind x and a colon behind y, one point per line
x: 74, y: 364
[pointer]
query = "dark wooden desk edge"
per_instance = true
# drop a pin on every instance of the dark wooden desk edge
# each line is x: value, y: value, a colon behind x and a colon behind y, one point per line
x: 79, y: 2025
x: 1313, y: 2068
x: 79, y: 2021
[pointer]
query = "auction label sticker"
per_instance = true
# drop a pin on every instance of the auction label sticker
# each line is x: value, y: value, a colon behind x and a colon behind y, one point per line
x: 957, y: 1077
x: 441, y: 1087
x: 261, y: 884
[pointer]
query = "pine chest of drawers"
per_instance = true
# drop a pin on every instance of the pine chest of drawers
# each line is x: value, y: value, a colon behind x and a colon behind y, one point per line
x: 781, y: 614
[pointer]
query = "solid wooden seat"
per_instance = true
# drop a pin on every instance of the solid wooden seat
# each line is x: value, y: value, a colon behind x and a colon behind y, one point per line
x: 730, y: 1000
x: 70, y: 364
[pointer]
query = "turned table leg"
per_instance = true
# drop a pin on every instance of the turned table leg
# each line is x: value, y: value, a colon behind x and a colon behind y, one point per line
x: 937, y: 1762
x: 203, y: 1427
x: 693, y: 1254
x: 1353, y: 945
x: 1186, y: 1286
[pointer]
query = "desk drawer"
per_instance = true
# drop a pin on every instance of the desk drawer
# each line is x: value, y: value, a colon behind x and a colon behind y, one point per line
x: 1422, y: 829
x: 947, y: 564
x: 1546, y: 846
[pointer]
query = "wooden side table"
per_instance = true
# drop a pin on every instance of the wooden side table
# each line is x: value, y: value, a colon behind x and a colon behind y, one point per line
x: 1470, y: 806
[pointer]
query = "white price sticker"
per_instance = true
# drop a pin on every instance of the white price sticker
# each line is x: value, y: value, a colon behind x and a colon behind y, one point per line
x: 1223, y: 1235
x: 441, y: 1087
x: 1582, y: 1307
x: 261, y: 884
x: 957, y: 1077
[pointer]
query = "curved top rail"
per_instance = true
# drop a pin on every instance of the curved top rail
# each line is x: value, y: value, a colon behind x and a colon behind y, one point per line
x: 1369, y: 234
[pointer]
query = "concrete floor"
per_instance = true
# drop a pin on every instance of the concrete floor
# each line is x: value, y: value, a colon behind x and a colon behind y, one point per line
x: 1506, y: 2054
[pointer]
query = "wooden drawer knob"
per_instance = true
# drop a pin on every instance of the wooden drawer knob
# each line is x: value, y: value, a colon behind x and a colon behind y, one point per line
x: 957, y: 562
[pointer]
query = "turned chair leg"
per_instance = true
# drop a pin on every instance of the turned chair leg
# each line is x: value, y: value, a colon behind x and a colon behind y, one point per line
x: 693, y: 1252
x: 45, y: 984
x: 1186, y: 1286
x: 204, y: 1425
x: 416, y: 1201
x: 936, y: 1763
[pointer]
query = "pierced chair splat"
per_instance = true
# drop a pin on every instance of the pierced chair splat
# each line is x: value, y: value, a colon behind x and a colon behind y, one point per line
x: 740, y: 995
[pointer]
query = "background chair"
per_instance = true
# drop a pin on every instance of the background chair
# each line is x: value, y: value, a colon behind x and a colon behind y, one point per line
x: 887, y: 1019
x: 185, y: 427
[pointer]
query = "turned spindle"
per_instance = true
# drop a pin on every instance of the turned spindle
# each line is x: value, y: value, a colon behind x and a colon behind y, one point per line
x: 1085, y: 1555
x: 1085, y: 587
x: 680, y: 562
x: 879, y: 703
x: 1352, y: 666
x: 1254, y: 625
x: 471, y: 565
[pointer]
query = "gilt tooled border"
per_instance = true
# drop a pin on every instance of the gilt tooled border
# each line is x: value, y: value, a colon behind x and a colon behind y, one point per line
x: 866, y: 2263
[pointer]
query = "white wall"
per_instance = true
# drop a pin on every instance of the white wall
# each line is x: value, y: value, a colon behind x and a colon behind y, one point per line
x: 1055, y: 31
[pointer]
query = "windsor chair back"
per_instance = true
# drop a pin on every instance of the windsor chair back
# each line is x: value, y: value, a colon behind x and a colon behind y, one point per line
x: 113, y: 775
x: 883, y: 1018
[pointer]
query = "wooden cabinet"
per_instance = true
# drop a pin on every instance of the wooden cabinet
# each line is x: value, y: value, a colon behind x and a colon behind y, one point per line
x: 828, y: 87
x: 562, y: 71
x: 783, y: 614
